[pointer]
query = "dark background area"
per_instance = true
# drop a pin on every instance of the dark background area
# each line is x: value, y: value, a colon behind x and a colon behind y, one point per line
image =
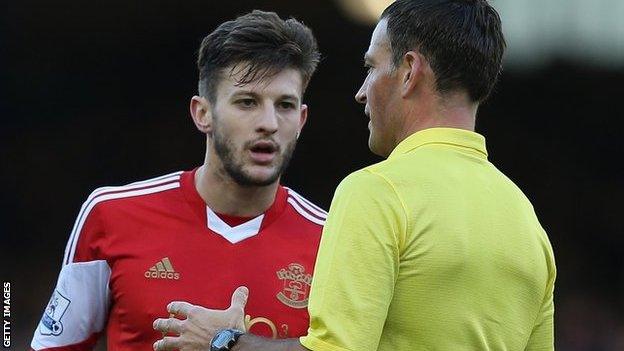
x: 96, y: 93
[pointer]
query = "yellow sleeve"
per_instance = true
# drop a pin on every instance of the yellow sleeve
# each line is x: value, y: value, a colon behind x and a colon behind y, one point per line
x: 357, y: 265
x: 543, y: 336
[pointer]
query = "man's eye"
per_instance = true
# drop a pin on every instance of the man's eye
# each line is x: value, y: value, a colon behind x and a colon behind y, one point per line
x: 286, y: 105
x: 246, y: 102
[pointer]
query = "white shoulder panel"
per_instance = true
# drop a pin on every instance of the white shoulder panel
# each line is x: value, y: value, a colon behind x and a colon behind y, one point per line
x: 78, y: 307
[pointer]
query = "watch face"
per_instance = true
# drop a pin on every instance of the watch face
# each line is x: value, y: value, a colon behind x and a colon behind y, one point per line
x: 222, y: 338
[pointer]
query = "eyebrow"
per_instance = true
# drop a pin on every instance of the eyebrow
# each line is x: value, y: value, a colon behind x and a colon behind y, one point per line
x: 289, y: 97
x: 245, y: 92
x: 256, y: 95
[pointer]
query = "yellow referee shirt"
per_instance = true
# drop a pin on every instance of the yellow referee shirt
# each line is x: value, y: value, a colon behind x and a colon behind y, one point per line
x: 432, y: 249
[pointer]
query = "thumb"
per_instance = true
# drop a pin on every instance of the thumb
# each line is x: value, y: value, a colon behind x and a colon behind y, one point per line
x: 239, y: 297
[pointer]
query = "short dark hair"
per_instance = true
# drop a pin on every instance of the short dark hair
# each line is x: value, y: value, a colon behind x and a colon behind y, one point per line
x: 462, y: 40
x: 263, y: 42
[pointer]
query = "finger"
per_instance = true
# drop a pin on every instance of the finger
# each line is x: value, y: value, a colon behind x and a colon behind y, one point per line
x: 239, y: 297
x: 166, y: 325
x: 167, y: 343
x: 180, y: 308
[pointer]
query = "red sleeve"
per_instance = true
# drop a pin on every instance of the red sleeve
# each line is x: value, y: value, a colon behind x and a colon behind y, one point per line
x: 77, y: 312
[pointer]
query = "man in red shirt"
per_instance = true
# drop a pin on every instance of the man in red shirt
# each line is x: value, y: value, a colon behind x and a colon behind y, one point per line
x: 197, y: 235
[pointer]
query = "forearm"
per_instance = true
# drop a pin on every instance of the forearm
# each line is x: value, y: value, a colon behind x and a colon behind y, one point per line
x: 249, y: 342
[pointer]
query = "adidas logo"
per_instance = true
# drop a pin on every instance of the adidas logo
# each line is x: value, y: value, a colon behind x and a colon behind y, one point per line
x: 162, y: 270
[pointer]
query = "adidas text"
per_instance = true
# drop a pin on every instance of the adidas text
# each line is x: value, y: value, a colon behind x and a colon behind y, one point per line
x: 162, y: 275
x: 163, y: 269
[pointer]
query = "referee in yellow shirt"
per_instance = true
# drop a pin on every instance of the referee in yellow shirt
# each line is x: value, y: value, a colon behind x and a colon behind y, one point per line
x: 433, y: 248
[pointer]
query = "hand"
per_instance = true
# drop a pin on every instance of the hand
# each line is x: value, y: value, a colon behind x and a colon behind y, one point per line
x: 201, y: 324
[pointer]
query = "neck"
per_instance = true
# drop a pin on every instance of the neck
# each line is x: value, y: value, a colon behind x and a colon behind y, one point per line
x: 224, y: 195
x: 454, y: 112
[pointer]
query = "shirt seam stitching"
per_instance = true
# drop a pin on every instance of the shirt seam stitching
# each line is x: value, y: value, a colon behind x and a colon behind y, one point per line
x: 444, y: 143
x: 396, y: 193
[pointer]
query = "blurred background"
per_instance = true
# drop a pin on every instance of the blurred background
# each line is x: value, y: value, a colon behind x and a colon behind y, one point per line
x: 96, y: 93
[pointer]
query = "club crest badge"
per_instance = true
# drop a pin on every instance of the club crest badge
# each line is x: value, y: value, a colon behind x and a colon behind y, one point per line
x: 51, y: 321
x: 296, y: 288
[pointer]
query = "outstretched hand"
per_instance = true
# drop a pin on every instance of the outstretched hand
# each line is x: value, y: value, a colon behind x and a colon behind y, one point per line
x: 200, y: 324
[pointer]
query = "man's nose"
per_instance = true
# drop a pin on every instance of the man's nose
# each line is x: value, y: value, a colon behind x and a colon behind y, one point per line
x: 268, y: 120
x: 360, y: 96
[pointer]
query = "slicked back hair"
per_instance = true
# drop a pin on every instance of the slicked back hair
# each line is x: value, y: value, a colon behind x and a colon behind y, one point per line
x: 462, y: 40
x: 259, y: 44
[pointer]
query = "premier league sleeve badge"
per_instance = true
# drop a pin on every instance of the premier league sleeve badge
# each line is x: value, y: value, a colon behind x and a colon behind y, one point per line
x: 51, y: 321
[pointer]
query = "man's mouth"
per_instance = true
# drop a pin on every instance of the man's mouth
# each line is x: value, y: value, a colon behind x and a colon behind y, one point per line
x: 263, y: 152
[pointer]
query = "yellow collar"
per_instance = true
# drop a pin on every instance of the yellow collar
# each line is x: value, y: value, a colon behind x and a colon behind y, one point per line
x: 451, y: 136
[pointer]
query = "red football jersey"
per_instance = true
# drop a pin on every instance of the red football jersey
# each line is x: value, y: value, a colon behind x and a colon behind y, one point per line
x: 135, y: 248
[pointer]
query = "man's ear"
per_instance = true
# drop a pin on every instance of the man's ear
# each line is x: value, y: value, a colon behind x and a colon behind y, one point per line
x: 302, y: 118
x: 201, y: 112
x: 412, y: 70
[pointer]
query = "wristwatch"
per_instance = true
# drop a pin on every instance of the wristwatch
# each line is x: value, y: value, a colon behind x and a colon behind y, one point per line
x: 224, y: 339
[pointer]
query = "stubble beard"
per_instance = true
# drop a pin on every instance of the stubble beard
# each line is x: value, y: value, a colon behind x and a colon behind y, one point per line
x: 235, y: 168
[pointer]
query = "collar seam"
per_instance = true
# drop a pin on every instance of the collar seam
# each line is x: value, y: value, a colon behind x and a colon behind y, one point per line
x: 401, y: 152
